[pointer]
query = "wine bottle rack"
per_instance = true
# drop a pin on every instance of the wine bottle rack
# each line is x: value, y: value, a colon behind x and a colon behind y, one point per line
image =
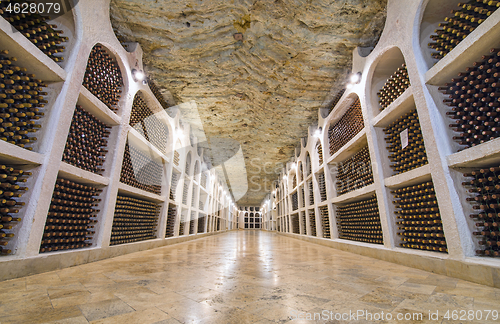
x: 350, y: 124
x: 218, y: 224
x: 294, y: 219
x: 171, y: 217
x: 71, y: 217
x: 193, y: 197
x: 185, y: 191
x: 201, y: 205
x: 294, y: 181
x: 394, y: 87
x: 201, y: 224
x: 87, y: 141
x: 311, y: 192
x: 188, y: 164
x: 304, y: 223
x: 156, y: 92
x: 336, y: 100
x: 134, y: 220
x: 484, y: 187
x: 191, y: 223
x: 301, y: 170
x: 308, y: 165
x: 355, y: 172
x: 312, y: 221
x: 147, y: 178
x: 360, y: 221
x: 295, y: 202
x: 12, y: 180
x: 173, y: 185
x: 203, y: 180
x: 418, y: 218
x: 103, y: 77
x: 21, y: 98
x: 473, y: 98
x: 46, y: 37
x: 183, y: 223
x: 322, y: 186
x: 405, y: 143
x: 459, y: 25
x: 319, y: 151
x: 303, y: 196
x: 325, y: 221
x: 176, y: 158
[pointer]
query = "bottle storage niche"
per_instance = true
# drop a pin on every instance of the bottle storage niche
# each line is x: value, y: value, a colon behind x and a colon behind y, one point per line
x: 348, y: 126
x: 156, y: 92
x: 354, y: 172
x: 148, y: 123
x: 203, y: 180
x: 183, y: 230
x: 321, y: 185
x: 308, y: 166
x: 203, y: 199
x: 22, y: 102
x: 294, y: 218
x: 304, y: 223
x: 483, y: 186
x: 45, y: 34
x: 311, y: 192
x: 176, y: 158
x: 193, y: 196
x: 188, y: 164
x: 319, y: 152
x: 171, y: 218
x: 360, y: 221
x: 302, y: 196
x: 389, y: 81
x: 294, y: 181
x: 445, y: 25
x: 71, y: 218
x: 135, y: 220
x: 14, y: 181
x: 173, y: 184
x: 103, y: 77
x: 405, y: 143
x: 312, y: 221
x: 185, y: 190
x: 201, y: 223
x: 325, y: 221
x: 141, y: 170
x: 418, y: 219
x: 474, y: 100
x: 295, y: 203
x: 192, y: 224
x: 87, y: 142
x: 336, y: 100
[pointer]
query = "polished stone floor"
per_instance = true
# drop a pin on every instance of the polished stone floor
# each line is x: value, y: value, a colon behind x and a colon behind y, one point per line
x: 242, y: 277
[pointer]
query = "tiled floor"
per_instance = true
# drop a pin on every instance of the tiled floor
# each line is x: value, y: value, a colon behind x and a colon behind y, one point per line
x: 239, y: 277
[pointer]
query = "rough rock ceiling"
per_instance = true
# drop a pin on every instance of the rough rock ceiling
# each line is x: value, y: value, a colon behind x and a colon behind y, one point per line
x: 261, y: 92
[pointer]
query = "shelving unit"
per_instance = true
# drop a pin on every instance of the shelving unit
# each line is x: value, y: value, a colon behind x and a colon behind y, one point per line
x: 445, y: 166
x: 208, y: 211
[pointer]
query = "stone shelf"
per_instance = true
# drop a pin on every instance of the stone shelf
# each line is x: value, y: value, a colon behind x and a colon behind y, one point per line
x: 477, y: 43
x: 139, y: 193
x: 409, y: 178
x: 355, y: 195
x: 96, y: 107
x: 28, y: 55
x: 399, y: 107
x: 481, y: 155
x: 73, y: 173
x: 10, y: 153
x: 350, y: 148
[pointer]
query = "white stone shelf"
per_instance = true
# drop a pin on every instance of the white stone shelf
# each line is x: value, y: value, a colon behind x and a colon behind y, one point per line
x: 140, y: 142
x: 76, y: 174
x: 139, y: 193
x: 355, y: 195
x: 477, y: 43
x: 28, y: 55
x: 350, y: 147
x: 481, y: 155
x: 395, y: 110
x: 10, y: 153
x: 409, y: 178
x: 96, y: 107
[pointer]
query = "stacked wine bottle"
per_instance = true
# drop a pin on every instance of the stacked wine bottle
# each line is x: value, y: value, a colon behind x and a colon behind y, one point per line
x: 103, y: 77
x: 322, y: 186
x: 71, y: 216
x: 419, y: 219
x: 183, y: 223
x: 135, y: 220
x: 294, y: 219
x: 295, y: 202
x: 171, y: 215
x: 319, y: 150
x: 35, y: 28
x: 394, y: 87
x: 360, y: 221
x: 156, y: 92
x: 312, y: 221
x: 12, y: 180
x: 148, y: 177
x: 304, y: 222
x: 355, y: 172
x: 350, y: 124
x: 484, y: 185
x: 201, y: 205
x: 201, y: 224
x: 303, y: 196
x: 311, y: 192
x: 308, y: 165
x: 21, y: 98
x: 86, y: 143
x: 185, y: 191
x: 405, y: 143
x: 294, y: 181
x: 218, y: 224
x: 191, y: 223
x: 475, y: 101
x: 173, y: 185
x: 203, y: 180
x: 176, y: 158
x: 325, y: 221
x: 459, y: 24
x: 336, y: 100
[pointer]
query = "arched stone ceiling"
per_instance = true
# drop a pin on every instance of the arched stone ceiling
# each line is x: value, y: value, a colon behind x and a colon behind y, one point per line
x: 263, y: 91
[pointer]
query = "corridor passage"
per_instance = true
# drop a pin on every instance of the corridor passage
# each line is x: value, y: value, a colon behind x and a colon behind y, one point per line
x: 241, y: 277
